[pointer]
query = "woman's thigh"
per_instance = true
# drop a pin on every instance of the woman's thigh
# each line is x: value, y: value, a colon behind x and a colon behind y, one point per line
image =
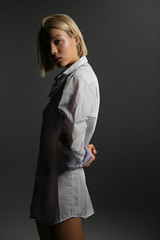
x: 43, y: 232
x: 70, y: 229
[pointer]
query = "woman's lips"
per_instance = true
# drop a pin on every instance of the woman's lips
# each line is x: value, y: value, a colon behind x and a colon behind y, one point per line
x: 57, y: 59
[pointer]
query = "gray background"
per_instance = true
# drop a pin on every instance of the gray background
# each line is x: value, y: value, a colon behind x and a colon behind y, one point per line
x: 123, y: 44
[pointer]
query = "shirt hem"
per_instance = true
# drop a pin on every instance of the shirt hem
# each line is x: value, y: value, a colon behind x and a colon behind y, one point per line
x: 62, y: 220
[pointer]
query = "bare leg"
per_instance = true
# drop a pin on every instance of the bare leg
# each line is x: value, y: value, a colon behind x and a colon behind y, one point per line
x: 70, y: 229
x: 43, y: 232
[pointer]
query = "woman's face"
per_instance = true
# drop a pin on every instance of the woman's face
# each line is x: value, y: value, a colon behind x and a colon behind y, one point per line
x: 63, y: 49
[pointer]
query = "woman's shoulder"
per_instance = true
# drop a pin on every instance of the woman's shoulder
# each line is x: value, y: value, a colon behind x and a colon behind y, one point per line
x: 86, y: 73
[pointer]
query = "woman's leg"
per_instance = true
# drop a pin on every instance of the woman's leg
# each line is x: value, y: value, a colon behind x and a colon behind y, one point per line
x: 43, y: 231
x: 70, y: 229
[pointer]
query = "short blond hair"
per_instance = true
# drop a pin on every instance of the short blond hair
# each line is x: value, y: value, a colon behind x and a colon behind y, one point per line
x: 62, y: 22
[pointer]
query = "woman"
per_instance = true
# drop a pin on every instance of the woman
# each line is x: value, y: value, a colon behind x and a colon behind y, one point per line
x: 60, y: 197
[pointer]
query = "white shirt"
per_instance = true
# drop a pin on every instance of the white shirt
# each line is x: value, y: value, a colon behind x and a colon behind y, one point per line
x: 79, y: 104
x: 68, y: 123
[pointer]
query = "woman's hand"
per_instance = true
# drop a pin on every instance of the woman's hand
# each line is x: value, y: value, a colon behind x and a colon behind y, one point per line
x: 93, y: 151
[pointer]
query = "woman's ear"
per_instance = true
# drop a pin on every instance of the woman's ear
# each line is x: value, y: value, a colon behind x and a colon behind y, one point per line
x: 76, y: 40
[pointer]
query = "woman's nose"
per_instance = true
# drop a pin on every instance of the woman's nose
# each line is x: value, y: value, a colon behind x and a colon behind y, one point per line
x: 53, y: 49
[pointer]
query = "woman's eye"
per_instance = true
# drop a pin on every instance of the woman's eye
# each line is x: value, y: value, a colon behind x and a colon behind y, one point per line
x: 56, y: 42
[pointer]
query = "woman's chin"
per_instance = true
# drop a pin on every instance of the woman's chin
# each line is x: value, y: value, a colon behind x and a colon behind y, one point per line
x: 61, y: 64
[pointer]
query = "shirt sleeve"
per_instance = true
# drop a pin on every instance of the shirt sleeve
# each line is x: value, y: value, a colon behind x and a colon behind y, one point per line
x: 76, y: 107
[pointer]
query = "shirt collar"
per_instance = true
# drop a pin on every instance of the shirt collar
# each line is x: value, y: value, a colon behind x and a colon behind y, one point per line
x: 76, y: 65
x: 61, y: 76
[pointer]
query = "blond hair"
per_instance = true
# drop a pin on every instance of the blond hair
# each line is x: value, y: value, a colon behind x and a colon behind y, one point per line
x: 62, y: 22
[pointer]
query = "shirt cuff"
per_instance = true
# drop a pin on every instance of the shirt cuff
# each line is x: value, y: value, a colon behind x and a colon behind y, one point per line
x: 87, y: 157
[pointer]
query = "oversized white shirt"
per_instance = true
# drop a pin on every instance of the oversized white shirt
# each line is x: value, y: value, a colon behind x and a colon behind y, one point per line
x: 68, y: 123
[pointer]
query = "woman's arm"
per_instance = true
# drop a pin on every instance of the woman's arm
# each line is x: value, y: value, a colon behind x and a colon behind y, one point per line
x: 76, y: 106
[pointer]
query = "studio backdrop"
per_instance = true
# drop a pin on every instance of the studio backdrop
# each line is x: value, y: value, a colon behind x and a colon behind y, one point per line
x: 122, y: 38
